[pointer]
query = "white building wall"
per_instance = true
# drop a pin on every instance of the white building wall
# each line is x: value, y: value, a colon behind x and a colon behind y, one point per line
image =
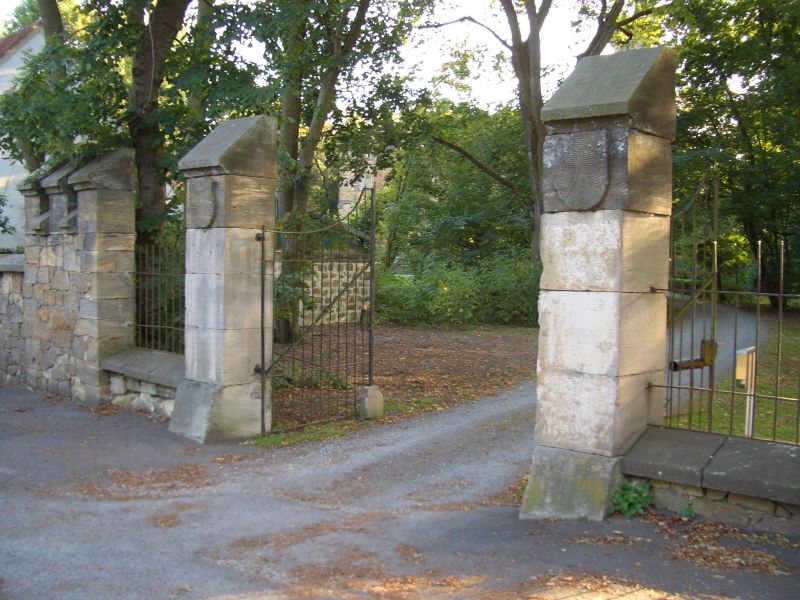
x: 11, y: 172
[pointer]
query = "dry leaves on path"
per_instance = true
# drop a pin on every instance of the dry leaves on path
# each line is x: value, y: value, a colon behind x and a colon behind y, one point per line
x: 449, y: 366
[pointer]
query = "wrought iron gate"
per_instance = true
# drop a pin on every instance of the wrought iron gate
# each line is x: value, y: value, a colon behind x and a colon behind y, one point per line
x: 733, y: 363
x: 318, y: 294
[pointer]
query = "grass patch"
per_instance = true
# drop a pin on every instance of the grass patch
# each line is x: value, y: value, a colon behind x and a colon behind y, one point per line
x: 310, y: 433
x: 778, y: 374
x: 394, y: 410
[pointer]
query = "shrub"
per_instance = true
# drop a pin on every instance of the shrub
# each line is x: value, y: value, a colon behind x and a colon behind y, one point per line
x: 500, y: 290
x: 509, y: 290
x: 449, y: 295
x: 396, y: 298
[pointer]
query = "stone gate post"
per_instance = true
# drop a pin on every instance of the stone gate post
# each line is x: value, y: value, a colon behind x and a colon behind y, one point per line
x: 607, y: 184
x: 230, y: 194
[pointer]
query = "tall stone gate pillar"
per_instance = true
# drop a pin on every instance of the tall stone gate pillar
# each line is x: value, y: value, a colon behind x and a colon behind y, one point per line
x: 607, y: 186
x: 230, y: 195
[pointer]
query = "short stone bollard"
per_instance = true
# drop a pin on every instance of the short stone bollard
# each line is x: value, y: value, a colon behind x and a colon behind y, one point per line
x: 370, y: 402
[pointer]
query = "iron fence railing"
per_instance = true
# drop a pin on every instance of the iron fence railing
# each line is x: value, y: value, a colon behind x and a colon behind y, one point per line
x: 319, y: 283
x: 734, y: 354
x: 160, y: 297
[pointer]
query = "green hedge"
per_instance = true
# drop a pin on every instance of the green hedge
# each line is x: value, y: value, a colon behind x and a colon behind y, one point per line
x: 502, y: 290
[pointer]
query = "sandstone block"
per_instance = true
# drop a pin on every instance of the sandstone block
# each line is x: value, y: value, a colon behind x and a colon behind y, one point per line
x: 226, y: 251
x: 599, y: 414
x: 223, y: 356
x: 106, y: 211
x: 117, y: 385
x: 225, y: 301
x: 207, y: 412
x: 602, y: 333
x: 370, y: 402
x: 571, y: 485
x: 230, y: 201
x: 103, y: 286
x: 637, y: 85
x: 605, y: 251
x: 625, y: 170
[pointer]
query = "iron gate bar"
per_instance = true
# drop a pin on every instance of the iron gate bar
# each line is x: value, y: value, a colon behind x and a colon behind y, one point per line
x: 699, y: 288
x: 323, y: 351
x: 316, y: 320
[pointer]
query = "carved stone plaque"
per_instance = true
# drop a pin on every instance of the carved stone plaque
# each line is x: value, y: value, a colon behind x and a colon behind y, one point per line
x: 576, y: 168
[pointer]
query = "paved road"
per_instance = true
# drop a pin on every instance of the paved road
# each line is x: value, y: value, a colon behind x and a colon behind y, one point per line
x: 96, y: 506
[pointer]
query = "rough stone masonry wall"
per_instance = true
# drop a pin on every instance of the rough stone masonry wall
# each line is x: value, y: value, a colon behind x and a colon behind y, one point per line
x: 138, y: 394
x: 328, y: 280
x: 78, y: 281
x: 726, y: 507
x: 12, y: 344
x: 51, y: 287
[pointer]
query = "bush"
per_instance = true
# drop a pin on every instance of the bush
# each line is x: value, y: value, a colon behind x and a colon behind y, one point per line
x: 509, y: 288
x: 500, y: 290
x: 396, y: 298
x: 449, y: 295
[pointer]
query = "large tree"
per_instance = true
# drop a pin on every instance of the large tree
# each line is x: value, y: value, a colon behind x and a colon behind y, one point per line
x: 327, y: 59
x: 739, y: 117
x: 525, y: 23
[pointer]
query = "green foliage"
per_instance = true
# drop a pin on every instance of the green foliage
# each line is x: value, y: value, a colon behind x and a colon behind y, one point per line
x: 5, y: 225
x: 632, y: 499
x: 439, y: 206
x: 687, y: 512
x: 509, y: 288
x: 24, y: 14
x: 502, y: 289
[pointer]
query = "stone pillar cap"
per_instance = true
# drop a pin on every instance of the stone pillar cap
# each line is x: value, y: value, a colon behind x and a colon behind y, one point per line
x: 56, y: 178
x: 638, y: 85
x: 113, y: 171
x: 235, y: 147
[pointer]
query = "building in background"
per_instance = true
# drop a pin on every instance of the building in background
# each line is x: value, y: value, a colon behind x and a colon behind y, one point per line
x: 13, y: 50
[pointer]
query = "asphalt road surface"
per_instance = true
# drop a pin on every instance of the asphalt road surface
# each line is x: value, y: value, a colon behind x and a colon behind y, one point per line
x: 95, y: 506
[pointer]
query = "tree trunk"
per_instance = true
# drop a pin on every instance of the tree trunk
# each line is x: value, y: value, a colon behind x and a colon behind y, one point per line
x: 147, y: 75
x: 52, y: 23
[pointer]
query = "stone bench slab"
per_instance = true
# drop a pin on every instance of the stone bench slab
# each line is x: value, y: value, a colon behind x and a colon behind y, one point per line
x: 728, y: 464
x: 161, y: 368
x: 756, y: 468
x: 672, y: 455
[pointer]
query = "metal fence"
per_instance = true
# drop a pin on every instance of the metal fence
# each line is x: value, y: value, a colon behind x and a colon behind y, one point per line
x: 160, y: 297
x: 319, y: 282
x: 734, y: 350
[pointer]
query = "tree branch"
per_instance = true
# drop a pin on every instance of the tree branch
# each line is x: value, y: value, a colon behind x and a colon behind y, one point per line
x: 642, y: 13
x: 518, y: 193
x: 470, y: 20
x: 606, y: 26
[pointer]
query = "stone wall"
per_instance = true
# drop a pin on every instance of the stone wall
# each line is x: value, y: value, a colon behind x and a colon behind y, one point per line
x: 726, y: 507
x: 328, y: 280
x: 12, y: 344
x: 78, y: 286
x: 139, y: 394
